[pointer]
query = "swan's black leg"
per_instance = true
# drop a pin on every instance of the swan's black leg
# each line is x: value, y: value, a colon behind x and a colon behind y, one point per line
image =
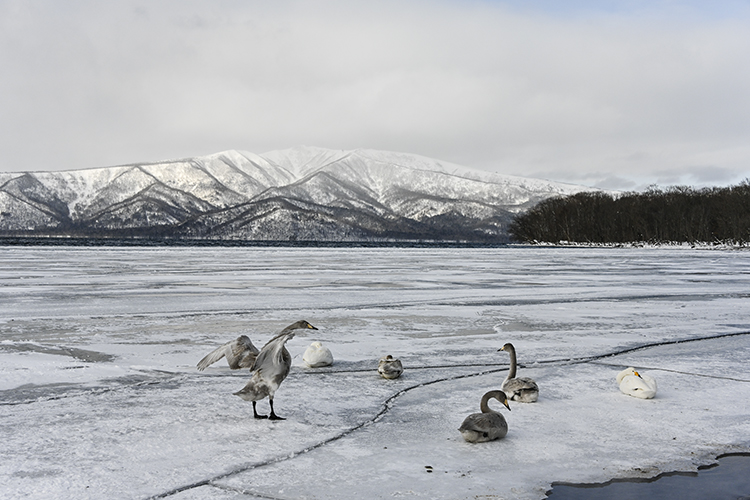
x: 255, y: 412
x: 273, y: 415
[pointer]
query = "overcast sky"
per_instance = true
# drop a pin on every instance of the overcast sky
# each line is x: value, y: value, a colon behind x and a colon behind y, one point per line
x: 614, y: 94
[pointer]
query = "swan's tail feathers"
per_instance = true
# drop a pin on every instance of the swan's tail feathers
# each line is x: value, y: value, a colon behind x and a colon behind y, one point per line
x: 212, y: 358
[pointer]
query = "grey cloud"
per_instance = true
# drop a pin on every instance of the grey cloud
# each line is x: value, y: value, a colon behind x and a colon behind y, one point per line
x: 605, y: 97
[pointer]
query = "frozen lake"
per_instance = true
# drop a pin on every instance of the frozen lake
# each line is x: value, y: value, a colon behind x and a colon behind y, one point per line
x: 100, y: 398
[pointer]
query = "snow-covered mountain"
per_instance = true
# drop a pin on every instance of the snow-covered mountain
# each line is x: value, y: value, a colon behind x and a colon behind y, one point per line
x: 303, y: 193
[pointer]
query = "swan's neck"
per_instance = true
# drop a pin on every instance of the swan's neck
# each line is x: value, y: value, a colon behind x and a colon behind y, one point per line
x: 512, y: 370
x: 484, y: 405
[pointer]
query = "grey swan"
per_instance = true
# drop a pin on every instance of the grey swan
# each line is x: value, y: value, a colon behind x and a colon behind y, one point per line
x: 271, y: 368
x: 390, y: 368
x: 487, y: 425
x: 522, y: 389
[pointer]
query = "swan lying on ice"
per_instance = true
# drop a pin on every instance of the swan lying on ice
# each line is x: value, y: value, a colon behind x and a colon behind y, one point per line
x: 240, y: 353
x: 636, y: 384
x: 521, y: 389
x: 488, y: 425
x: 271, y: 368
x: 317, y: 355
x: 390, y: 368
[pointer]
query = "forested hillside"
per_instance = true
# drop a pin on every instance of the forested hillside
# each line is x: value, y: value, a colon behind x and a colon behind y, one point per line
x: 676, y: 214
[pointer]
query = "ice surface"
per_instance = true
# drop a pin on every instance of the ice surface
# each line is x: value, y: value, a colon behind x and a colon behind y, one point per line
x: 100, y: 398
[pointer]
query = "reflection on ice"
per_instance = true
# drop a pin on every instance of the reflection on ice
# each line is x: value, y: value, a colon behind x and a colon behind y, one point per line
x: 100, y: 396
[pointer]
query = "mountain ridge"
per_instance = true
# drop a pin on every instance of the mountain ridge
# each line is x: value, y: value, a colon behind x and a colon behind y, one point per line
x: 298, y: 193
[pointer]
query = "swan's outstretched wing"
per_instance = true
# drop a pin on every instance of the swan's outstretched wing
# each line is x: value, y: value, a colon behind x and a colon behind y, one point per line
x: 240, y: 353
x: 274, y: 361
x: 214, y: 356
x: 243, y: 353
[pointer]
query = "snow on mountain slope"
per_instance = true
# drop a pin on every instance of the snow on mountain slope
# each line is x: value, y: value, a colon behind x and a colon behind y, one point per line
x: 236, y: 194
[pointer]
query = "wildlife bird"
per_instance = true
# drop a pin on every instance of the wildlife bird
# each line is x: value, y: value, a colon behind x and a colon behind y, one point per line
x: 317, y: 355
x: 487, y: 425
x: 390, y: 368
x: 521, y: 389
x: 636, y: 384
x: 271, y: 368
x: 240, y: 353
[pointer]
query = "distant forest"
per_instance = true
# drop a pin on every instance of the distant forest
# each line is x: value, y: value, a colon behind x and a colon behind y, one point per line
x: 676, y: 214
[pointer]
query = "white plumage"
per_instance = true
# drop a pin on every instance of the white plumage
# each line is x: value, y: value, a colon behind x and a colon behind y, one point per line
x: 636, y: 384
x: 317, y: 355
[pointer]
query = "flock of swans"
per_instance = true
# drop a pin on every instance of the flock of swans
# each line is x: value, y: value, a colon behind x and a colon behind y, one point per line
x: 271, y: 365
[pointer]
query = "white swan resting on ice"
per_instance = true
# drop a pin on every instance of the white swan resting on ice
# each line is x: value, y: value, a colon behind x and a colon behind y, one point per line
x: 636, y: 384
x: 317, y: 355
x: 488, y: 425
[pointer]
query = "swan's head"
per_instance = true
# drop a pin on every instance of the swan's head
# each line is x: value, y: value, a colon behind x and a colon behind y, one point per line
x: 316, y: 345
x: 299, y: 325
x: 507, y: 347
x: 626, y: 372
x: 505, y: 402
x: 500, y: 396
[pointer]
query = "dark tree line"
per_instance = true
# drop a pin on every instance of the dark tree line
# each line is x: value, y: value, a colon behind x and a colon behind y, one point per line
x: 677, y: 214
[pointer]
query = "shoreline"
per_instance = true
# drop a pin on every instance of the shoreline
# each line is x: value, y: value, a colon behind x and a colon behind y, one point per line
x: 176, y: 242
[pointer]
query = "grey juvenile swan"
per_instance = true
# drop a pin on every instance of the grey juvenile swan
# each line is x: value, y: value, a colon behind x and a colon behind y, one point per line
x: 521, y: 389
x: 240, y: 353
x: 390, y: 368
x: 488, y: 425
x: 271, y: 368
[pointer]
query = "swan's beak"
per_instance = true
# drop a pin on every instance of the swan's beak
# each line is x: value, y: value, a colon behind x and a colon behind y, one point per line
x: 637, y: 374
x: 309, y: 326
x: 506, y: 404
x: 501, y: 349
